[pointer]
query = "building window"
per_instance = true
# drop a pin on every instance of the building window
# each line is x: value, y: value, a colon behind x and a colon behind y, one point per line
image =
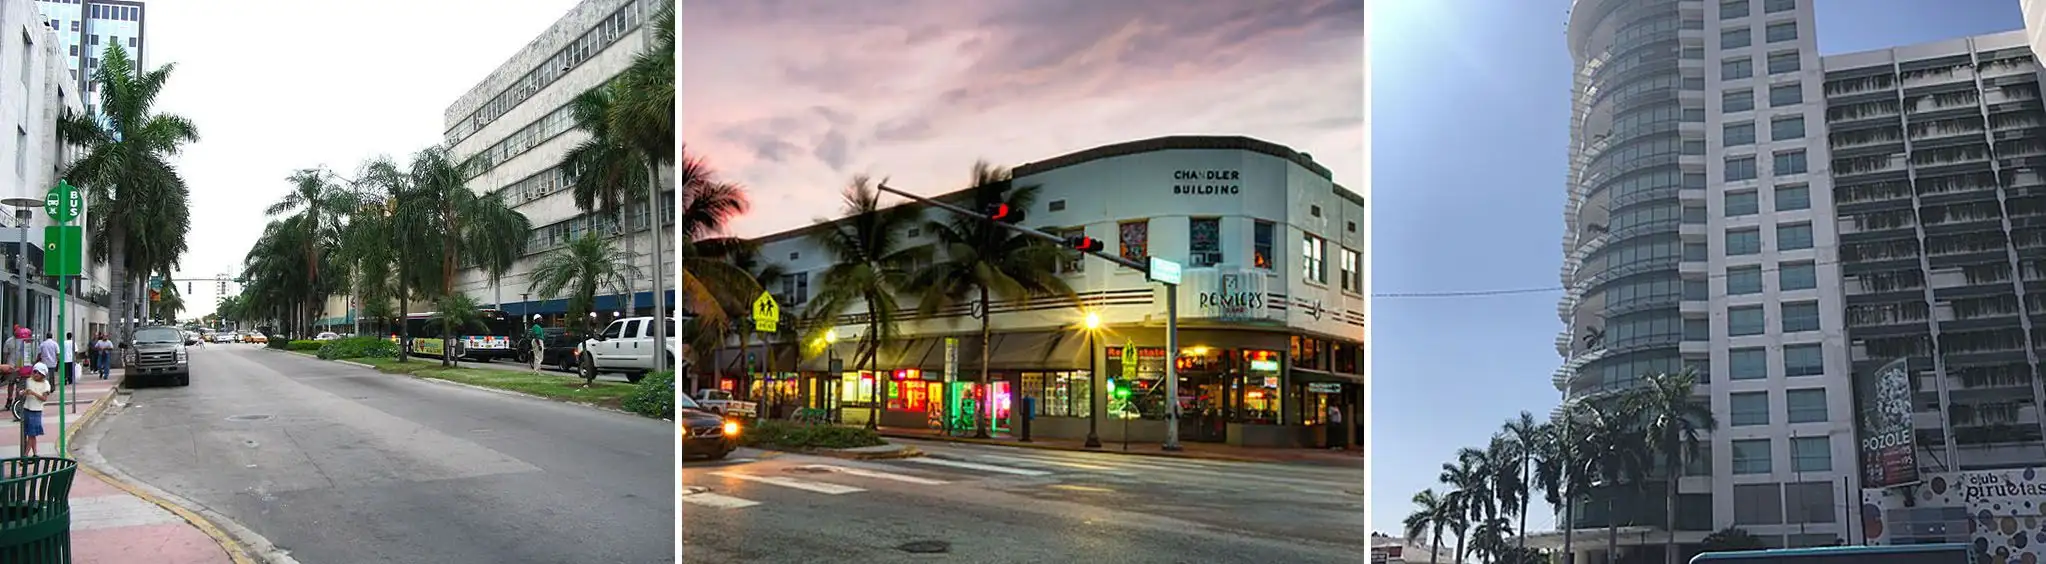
x: 1789, y: 162
x: 1793, y: 236
x: 1743, y: 280
x: 1740, y: 168
x: 1744, y: 202
x: 1810, y: 502
x: 1751, y: 456
x: 1811, y: 454
x: 1736, y: 38
x: 1797, y: 276
x: 131, y: 42
x: 1756, y: 504
x: 95, y: 40
x: 1747, y: 363
x: 1737, y: 100
x: 1353, y: 273
x: 1741, y: 242
x: 1078, y: 261
x: 1737, y: 134
x: 1314, y: 253
x: 1802, y: 316
x: 1806, y: 406
x: 1204, y: 241
x: 1731, y: 9
x: 1736, y: 69
x: 795, y: 289
x: 1745, y: 321
x: 1748, y: 409
x: 1787, y: 61
x: 1774, y: 6
x: 1135, y: 239
x: 1696, y: 329
x: 74, y: 50
x: 1782, y: 95
x: 1056, y: 205
x: 1793, y: 197
x: 74, y: 26
x: 1695, y: 252
x: 1693, y: 215
x: 1786, y: 128
x: 20, y: 152
x: 1314, y: 211
x: 1781, y: 31
x: 1264, y: 235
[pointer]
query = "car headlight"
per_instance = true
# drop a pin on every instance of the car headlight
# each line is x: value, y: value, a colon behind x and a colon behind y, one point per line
x: 731, y: 428
x: 181, y: 355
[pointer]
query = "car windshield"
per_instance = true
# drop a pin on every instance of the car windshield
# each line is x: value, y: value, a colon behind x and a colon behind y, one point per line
x: 155, y: 335
x: 686, y: 402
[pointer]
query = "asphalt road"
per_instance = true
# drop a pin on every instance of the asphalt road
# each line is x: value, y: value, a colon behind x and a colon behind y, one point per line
x: 343, y: 465
x: 991, y: 504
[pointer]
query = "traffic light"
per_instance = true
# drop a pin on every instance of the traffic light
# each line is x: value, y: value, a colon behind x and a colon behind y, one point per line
x: 1084, y: 244
x: 1004, y: 213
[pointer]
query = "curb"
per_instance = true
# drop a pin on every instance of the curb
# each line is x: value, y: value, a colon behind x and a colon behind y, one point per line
x: 1018, y: 444
x: 236, y: 549
x: 906, y: 452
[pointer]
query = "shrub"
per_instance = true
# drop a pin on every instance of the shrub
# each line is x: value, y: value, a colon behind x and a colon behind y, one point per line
x: 277, y: 343
x: 358, y: 347
x: 655, y: 396
x: 305, y: 346
x: 787, y: 434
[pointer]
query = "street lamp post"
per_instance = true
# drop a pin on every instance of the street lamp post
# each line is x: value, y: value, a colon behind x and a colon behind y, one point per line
x: 1093, y: 374
x: 831, y: 362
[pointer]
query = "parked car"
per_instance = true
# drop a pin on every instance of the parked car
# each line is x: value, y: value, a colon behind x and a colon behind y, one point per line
x: 705, y: 433
x: 627, y: 346
x: 720, y: 401
x: 257, y: 338
x: 560, y: 349
x: 158, y: 355
x: 327, y: 336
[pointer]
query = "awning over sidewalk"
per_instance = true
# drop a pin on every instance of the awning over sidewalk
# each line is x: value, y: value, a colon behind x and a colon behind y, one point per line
x: 1012, y: 351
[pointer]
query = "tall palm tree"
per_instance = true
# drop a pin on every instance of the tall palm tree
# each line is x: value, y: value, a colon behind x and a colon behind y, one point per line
x: 646, y: 119
x: 608, y: 171
x: 760, y: 270
x: 368, y: 240
x: 709, y: 279
x: 982, y: 261
x: 1430, y: 517
x: 1525, y: 435
x: 320, y: 203
x: 456, y: 313
x: 139, y: 202
x: 871, y: 266
x: 1673, y: 416
x: 1488, y: 540
x: 1612, y: 442
x: 1472, y: 500
x: 585, y: 266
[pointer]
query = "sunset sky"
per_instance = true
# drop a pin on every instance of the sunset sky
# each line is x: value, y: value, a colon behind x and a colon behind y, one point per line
x: 794, y: 98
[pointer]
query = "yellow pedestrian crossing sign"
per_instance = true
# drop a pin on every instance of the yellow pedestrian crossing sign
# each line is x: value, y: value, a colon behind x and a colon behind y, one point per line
x: 766, y: 314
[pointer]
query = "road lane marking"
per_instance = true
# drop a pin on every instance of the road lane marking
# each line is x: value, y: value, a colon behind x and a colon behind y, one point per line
x: 707, y: 499
x: 1045, y: 461
x: 977, y: 466
x: 1081, y: 488
x: 819, y: 487
x: 881, y: 475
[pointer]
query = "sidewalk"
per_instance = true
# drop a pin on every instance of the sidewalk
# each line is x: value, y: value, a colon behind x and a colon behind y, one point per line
x: 110, y: 525
x: 1354, y: 457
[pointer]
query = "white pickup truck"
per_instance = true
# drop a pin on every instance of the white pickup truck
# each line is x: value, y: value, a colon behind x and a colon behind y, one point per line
x: 721, y: 402
x: 627, y: 346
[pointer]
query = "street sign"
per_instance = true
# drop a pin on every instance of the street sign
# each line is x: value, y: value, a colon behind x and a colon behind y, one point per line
x: 1129, y: 360
x: 156, y: 282
x: 64, y: 202
x: 63, y: 250
x: 766, y: 314
x: 1164, y: 271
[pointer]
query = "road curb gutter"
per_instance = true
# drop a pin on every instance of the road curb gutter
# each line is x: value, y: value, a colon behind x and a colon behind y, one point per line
x: 243, y: 546
x: 1017, y: 444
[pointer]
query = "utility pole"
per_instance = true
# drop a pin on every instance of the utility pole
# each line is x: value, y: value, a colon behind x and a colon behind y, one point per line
x: 1157, y: 270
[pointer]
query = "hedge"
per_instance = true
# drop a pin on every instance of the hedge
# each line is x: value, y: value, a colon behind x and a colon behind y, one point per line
x: 655, y: 396
x: 306, y: 346
x: 792, y: 435
x: 358, y: 347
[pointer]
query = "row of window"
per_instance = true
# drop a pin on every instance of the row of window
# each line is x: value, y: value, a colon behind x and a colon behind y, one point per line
x: 1747, y: 409
x: 1743, y: 99
x: 555, y: 123
x: 1798, y: 317
x: 1752, y: 363
x: 610, y: 30
x: 1781, y: 128
x: 1782, y: 163
x: 1807, y: 454
x: 1735, y: 9
x: 1748, y: 240
x: 110, y: 12
x: 1205, y: 248
x: 1789, y: 197
x: 1791, y: 276
x: 1744, y: 36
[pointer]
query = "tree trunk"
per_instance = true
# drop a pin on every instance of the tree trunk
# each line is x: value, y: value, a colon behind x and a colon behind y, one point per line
x: 1612, y: 528
x: 1675, y: 470
x: 631, y: 282
x: 404, y: 312
x: 1526, y: 462
x: 1459, y: 544
x: 987, y: 392
x: 117, y: 272
x: 659, y: 255
x: 873, y: 339
x: 1569, y: 518
x: 1435, y: 550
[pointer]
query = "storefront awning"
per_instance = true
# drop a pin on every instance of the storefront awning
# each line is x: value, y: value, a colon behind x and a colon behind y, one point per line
x: 1013, y: 351
x: 1309, y: 375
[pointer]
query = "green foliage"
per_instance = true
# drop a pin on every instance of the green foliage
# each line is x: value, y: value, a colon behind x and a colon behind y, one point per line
x: 1730, y: 539
x: 785, y: 434
x: 305, y: 345
x: 278, y: 343
x: 655, y: 396
x: 358, y: 347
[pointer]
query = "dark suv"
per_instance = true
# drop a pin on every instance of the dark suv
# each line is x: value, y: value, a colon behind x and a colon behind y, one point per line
x: 704, y: 433
x: 157, y: 354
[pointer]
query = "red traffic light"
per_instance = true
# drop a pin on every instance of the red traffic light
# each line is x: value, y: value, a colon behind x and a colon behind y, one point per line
x: 1004, y: 213
x: 1084, y: 244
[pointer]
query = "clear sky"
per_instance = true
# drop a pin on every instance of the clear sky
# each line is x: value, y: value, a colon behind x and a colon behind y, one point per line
x: 275, y: 86
x: 793, y: 99
x: 1470, y: 124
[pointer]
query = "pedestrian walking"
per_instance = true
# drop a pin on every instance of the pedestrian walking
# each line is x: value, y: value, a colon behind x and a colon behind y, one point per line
x: 49, y: 349
x: 1337, y: 431
x: 71, y: 369
x: 103, y: 355
x: 34, y: 394
x: 539, y: 343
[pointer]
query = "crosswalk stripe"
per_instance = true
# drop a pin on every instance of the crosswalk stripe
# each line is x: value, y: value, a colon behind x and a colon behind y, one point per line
x: 719, y: 501
x: 1153, y: 467
x: 881, y: 475
x: 977, y: 466
x: 1051, y: 462
x: 819, y: 487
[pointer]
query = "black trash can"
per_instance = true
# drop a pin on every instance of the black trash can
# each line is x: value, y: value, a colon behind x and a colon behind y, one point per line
x: 35, y: 510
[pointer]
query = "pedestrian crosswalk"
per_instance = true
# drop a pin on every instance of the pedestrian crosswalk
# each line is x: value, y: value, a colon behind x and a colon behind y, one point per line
x: 1105, y: 473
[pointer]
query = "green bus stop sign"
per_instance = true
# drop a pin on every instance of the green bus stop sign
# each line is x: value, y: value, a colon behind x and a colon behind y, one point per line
x: 64, y: 202
x: 63, y: 250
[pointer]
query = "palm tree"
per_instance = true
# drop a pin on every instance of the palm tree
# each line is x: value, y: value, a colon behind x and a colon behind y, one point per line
x: 871, y: 266
x: 320, y: 203
x: 645, y: 118
x: 1472, y: 500
x: 139, y: 201
x: 983, y: 260
x: 1430, y: 516
x: 1613, y: 443
x: 168, y: 302
x: 1488, y: 540
x: 368, y: 242
x: 1674, y: 415
x: 608, y: 171
x: 455, y: 313
x: 709, y: 279
x: 1562, y: 469
x: 757, y: 269
x: 582, y: 268
x: 1526, y: 436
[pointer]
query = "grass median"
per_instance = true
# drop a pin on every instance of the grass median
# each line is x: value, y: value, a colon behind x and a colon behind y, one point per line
x: 555, y: 386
